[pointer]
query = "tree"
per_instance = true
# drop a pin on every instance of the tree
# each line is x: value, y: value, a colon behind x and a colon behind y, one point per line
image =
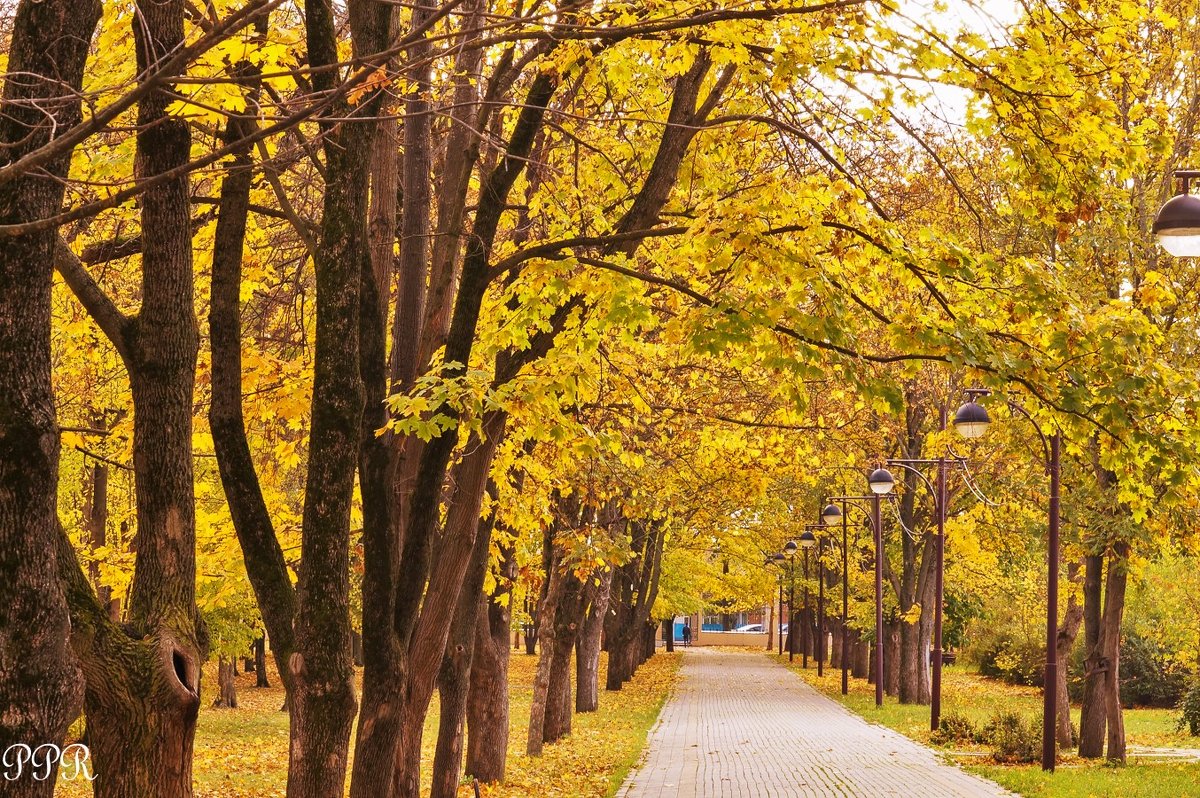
x: 40, y: 684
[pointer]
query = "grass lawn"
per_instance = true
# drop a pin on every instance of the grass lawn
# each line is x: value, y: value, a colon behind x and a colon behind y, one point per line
x: 967, y: 693
x: 242, y: 753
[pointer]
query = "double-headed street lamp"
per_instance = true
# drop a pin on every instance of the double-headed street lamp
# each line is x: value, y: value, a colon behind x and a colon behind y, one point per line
x: 776, y: 559
x: 807, y: 541
x: 972, y: 421
x: 830, y: 516
x: 881, y: 483
x: 789, y: 551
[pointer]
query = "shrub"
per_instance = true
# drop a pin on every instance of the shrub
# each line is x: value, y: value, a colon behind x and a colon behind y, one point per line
x: 1149, y: 677
x: 1014, y: 739
x: 1014, y: 661
x: 955, y: 728
x: 1189, y: 710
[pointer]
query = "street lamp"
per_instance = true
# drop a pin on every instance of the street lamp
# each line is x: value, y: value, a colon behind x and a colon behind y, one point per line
x: 971, y: 421
x: 970, y: 418
x: 1177, y: 226
x: 789, y: 550
x: 830, y: 516
x: 807, y: 541
x: 774, y: 559
x: 882, y: 482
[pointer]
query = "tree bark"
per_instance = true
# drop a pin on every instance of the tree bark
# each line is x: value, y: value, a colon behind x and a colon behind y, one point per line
x: 322, y: 702
x: 891, y: 657
x: 260, y: 663
x: 454, y: 678
x: 263, y: 556
x: 487, y: 703
x: 1065, y: 642
x: 1110, y: 645
x: 1093, y: 713
x: 861, y: 658
x: 144, y: 690
x: 40, y: 682
x: 587, y: 654
x: 541, y: 681
x: 568, y: 618
x: 635, y: 586
x: 226, y: 683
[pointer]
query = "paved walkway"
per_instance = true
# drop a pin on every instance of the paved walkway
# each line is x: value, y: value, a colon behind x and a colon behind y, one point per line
x: 741, y: 726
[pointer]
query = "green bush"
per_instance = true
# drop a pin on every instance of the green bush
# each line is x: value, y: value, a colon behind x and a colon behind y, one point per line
x: 1189, y: 710
x: 1014, y: 739
x: 955, y: 729
x: 1014, y: 661
x: 1149, y: 677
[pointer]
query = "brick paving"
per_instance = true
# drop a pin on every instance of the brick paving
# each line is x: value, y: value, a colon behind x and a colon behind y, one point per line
x: 742, y: 726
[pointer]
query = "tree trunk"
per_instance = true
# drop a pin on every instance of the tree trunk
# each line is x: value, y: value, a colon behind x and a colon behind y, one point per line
x: 541, y: 680
x: 454, y: 678
x: 1067, y: 632
x: 1110, y: 634
x: 635, y: 586
x: 40, y: 682
x: 1093, y: 714
x: 447, y: 576
x: 261, y: 552
x: 587, y: 654
x: 915, y: 687
x: 487, y: 702
x: 891, y: 657
x: 260, y: 663
x: 226, y: 684
x: 144, y: 690
x: 668, y: 634
x: 861, y: 659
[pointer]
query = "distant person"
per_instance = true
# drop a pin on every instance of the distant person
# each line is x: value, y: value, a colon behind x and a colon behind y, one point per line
x: 687, y: 634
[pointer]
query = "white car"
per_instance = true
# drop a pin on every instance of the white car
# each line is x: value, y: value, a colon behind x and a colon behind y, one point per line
x: 756, y: 628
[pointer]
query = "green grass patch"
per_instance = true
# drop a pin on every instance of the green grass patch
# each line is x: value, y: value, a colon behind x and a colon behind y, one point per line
x: 977, y: 698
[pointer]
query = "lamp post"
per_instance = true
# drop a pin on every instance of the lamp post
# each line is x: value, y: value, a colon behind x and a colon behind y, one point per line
x: 820, y: 652
x: 830, y: 516
x: 774, y: 559
x: 881, y: 483
x: 972, y: 421
x: 940, y: 500
x: 790, y: 551
x: 807, y: 541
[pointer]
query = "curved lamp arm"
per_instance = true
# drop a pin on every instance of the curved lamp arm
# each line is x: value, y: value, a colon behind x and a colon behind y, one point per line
x: 917, y: 471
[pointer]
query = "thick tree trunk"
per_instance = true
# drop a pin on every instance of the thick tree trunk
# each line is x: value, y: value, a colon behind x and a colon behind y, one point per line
x: 40, y: 682
x: 860, y: 659
x: 668, y: 634
x: 1114, y: 612
x: 568, y: 618
x: 1067, y: 632
x: 587, y: 653
x: 541, y: 680
x: 891, y: 657
x: 914, y: 683
x: 226, y: 684
x: 487, y: 702
x: 260, y: 663
x: 144, y: 693
x: 454, y: 678
x: 1093, y: 714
